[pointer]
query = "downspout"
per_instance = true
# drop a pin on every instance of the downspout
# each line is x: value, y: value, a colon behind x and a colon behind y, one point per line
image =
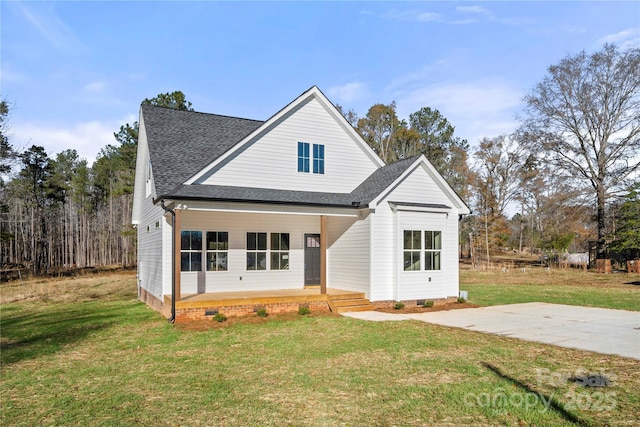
x: 173, y: 261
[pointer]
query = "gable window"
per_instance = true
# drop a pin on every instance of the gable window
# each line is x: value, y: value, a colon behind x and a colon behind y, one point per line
x: 191, y: 250
x: 432, y: 249
x: 256, y: 251
x: 217, y: 250
x: 148, y: 179
x: 318, y: 158
x: 412, y: 249
x: 279, y: 251
x: 303, y: 157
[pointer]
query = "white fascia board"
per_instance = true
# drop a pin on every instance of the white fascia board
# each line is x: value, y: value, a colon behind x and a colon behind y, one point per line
x: 313, y: 92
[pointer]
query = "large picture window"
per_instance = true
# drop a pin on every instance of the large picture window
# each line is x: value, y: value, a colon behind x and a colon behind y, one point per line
x: 217, y: 250
x: 279, y: 251
x: 256, y: 251
x: 190, y: 250
x: 412, y: 248
x: 432, y: 249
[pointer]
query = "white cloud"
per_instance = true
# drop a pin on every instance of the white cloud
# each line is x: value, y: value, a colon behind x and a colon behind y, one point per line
x: 44, y: 19
x: 87, y: 138
x: 478, y: 109
x: 625, y: 39
x: 428, y: 17
x: 95, y: 87
x: 473, y: 9
x: 348, y: 92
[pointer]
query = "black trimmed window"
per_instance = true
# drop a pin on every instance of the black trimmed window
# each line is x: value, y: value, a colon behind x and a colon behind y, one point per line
x: 318, y: 158
x: 412, y: 249
x: 217, y: 250
x: 303, y: 156
x: 190, y: 250
x: 256, y: 251
x: 432, y: 249
x: 279, y: 251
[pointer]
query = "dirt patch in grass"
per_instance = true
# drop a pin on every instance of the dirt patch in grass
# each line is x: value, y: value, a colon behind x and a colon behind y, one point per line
x: 421, y: 309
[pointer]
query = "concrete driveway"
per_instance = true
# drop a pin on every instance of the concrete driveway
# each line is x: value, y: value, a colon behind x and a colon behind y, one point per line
x: 600, y: 330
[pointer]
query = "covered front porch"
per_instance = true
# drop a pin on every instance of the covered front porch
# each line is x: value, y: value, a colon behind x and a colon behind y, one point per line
x: 241, y: 303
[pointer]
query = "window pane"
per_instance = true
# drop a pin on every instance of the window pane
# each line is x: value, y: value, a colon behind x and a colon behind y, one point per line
x: 261, y: 258
x: 262, y: 241
x: 437, y: 240
x: 223, y: 241
x: 428, y: 260
x: 217, y: 261
x: 251, y: 241
x: 305, y: 164
x: 300, y: 149
x: 416, y: 240
x: 251, y: 261
x: 428, y: 240
x: 408, y: 239
x: 411, y: 261
x: 284, y: 241
x: 436, y: 260
x: 184, y: 261
x: 196, y: 261
x: 275, y: 241
x: 321, y: 167
x: 300, y: 164
x: 196, y: 240
x: 185, y: 241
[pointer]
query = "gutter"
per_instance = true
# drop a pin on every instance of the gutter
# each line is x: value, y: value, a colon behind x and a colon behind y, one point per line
x: 172, y: 319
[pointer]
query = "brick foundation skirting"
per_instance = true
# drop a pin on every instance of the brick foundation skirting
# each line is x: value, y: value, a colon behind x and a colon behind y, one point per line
x: 155, y: 303
x: 190, y: 314
x: 412, y: 302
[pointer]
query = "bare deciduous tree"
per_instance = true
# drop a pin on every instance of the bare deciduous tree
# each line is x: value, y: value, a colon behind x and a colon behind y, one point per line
x: 584, y: 118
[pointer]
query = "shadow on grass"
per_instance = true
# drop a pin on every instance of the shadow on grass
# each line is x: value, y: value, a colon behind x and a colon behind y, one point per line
x: 27, y: 335
x: 636, y: 283
x: 553, y: 402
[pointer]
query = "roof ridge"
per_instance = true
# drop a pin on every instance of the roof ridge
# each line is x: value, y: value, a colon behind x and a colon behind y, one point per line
x: 143, y: 105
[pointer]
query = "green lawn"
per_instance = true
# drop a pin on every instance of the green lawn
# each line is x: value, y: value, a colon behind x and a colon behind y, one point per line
x: 101, y: 358
x: 573, y: 287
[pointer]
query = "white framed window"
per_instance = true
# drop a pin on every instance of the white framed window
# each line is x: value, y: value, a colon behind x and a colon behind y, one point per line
x: 318, y: 159
x: 148, y: 179
x: 432, y: 249
x: 190, y: 250
x: 412, y: 250
x: 217, y: 248
x: 256, y: 251
x: 422, y: 250
x: 303, y: 157
x: 279, y: 251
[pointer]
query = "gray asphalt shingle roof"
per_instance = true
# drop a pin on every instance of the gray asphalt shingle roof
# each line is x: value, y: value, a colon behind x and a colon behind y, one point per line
x: 181, y: 143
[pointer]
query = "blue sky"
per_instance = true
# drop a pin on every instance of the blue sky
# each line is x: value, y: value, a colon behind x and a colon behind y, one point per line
x: 73, y: 72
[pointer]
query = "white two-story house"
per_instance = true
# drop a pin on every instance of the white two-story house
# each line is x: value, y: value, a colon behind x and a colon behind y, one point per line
x: 225, y: 206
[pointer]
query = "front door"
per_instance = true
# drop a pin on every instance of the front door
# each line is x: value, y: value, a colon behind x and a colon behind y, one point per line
x: 311, y: 259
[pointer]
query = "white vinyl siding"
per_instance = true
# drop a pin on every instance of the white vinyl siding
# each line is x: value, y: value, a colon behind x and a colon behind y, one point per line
x: 150, y: 259
x: 389, y: 280
x: 348, y: 253
x: 272, y: 160
x: 237, y: 277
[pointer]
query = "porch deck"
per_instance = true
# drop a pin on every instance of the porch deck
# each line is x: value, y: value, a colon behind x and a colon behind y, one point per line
x: 271, y: 296
x: 275, y: 300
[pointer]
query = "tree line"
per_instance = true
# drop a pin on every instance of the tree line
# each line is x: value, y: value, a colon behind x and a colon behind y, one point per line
x: 61, y: 213
x: 565, y: 177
